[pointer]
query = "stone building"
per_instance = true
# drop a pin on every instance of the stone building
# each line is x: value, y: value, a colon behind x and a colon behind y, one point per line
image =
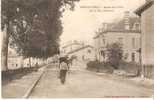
x: 146, y: 12
x: 126, y: 32
x: 85, y: 53
x: 80, y: 49
x: 71, y: 46
x: 14, y: 60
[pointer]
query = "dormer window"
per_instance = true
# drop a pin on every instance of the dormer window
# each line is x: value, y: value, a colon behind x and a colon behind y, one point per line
x: 137, y: 26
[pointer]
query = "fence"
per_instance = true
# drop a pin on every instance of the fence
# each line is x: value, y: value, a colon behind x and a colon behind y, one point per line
x: 149, y: 71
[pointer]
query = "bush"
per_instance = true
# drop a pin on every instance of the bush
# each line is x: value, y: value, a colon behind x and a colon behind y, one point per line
x: 99, y: 66
x: 93, y: 64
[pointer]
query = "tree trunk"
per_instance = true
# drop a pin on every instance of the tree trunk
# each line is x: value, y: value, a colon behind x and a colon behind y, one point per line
x: 4, y: 53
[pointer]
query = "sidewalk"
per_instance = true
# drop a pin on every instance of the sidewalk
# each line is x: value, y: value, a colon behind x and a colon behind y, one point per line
x: 19, y: 87
x: 144, y: 82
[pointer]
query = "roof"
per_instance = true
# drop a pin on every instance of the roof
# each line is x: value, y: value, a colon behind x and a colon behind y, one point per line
x: 120, y: 27
x: 87, y: 46
x: 144, y: 7
x: 75, y: 43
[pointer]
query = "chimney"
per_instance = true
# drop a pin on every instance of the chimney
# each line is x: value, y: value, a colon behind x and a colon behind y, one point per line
x: 126, y: 21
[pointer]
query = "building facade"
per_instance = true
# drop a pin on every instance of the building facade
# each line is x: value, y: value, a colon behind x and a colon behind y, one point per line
x: 146, y: 12
x: 85, y: 53
x: 71, y: 46
x: 16, y: 61
x: 125, y: 32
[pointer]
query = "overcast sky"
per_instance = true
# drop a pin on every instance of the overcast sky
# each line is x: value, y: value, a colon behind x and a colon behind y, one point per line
x: 82, y: 23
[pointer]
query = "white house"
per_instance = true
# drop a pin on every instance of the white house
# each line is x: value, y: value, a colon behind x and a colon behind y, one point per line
x: 85, y: 53
x: 70, y: 46
x: 126, y: 32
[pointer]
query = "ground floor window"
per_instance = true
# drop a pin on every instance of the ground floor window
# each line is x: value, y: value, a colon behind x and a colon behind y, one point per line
x: 133, y: 57
x: 102, y: 53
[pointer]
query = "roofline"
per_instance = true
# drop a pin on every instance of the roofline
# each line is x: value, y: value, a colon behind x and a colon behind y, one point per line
x: 80, y: 49
x: 145, y: 6
x: 71, y: 44
x: 130, y: 31
x: 126, y: 31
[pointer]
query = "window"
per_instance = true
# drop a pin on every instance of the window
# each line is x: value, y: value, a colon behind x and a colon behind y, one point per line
x: 104, y: 41
x: 133, y: 43
x: 126, y: 56
x: 137, y: 27
x: 103, y: 54
x: 89, y: 51
x: 133, y: 57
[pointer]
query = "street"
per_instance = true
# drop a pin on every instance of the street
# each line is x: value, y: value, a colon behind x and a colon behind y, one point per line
x: 85, y: 84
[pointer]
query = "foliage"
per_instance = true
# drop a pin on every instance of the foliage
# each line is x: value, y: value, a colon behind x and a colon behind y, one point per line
x: 99, y: 66
x: 114, y: 54
x: 93, y: 64
x: 34, y: 25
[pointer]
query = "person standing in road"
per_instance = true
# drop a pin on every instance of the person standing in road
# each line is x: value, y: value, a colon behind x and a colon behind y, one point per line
x: 63, y: 69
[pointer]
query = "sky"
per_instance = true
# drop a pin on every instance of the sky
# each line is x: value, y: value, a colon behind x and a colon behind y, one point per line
x: 82, y: 23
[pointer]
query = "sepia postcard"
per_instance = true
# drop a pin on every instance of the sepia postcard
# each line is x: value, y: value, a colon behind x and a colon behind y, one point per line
x: 77, y: 49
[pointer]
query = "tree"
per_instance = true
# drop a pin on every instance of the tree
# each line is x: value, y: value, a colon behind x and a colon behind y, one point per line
x: 114, y: 54
x: 34, y: 26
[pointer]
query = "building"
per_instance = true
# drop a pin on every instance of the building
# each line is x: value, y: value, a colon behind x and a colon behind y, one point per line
x: 14, y: 60
x: 126, y: 32
x: 71, y: 46
x: 146, y: 12
x: 85, y: 53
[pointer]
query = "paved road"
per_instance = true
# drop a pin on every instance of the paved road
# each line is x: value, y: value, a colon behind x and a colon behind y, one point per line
x: 83, y: 84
